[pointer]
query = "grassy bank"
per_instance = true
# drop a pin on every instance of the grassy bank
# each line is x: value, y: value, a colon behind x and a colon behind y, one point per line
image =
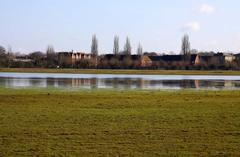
x: 100, y: 71
x: 119, y: 123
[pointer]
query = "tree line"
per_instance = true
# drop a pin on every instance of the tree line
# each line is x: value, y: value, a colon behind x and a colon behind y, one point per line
x: 120, y: 59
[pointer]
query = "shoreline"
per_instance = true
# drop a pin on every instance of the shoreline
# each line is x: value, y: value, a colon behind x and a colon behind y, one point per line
x: 113, y: 71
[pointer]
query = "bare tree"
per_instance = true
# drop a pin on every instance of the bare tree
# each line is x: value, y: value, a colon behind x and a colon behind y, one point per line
x: 10, y: 49
x: 186, y: 50
x: 2, y: 50
x: 116, y: 45
x: 38, y: 58
x: 127, y: 47
x: 9, y: 56
x: 140, y: 50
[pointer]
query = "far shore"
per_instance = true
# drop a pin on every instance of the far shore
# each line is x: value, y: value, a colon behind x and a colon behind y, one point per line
x: 123, y: 71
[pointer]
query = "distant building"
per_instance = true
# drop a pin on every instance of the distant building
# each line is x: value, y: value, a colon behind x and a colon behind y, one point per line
x: 237, y: 57
x: 70, y: 58
x: 141, y: 61
x: 229, y: 58
x: 145, y: 61
x: 22, y: 58
x: 166, y: 58
x: 210, y: 58
x: 169, y: 59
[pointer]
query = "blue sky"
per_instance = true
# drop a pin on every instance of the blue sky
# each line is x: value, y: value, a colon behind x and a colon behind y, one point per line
x: 28, y: 25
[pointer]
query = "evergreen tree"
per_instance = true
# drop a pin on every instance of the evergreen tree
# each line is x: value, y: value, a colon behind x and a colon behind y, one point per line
x: 127, y: 47
x: 116, y: 45
x: 186, y: 50
x: 140, y: 50
x: 51, y: 57
x: 94, y: 48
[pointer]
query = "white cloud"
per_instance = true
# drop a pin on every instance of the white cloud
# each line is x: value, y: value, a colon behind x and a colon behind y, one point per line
x: 192, y: 26
x: 207, y: 9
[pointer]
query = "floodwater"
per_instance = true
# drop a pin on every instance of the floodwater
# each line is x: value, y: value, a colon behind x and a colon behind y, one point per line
x: 116, y: 81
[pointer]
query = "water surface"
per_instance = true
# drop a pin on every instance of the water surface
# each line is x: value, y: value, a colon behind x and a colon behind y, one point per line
x: 117, y: 81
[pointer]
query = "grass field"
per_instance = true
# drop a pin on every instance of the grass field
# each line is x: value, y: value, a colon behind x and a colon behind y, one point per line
x: 41, y: 122
x: 101, y: 71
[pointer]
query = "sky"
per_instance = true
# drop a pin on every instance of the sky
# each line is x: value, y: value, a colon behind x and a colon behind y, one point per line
x: 159, y: 25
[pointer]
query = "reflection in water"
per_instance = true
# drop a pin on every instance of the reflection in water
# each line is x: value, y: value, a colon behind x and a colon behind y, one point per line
x: 118, y: 83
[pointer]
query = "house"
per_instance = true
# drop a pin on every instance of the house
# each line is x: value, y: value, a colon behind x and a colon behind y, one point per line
x: 166, y: 58
x: 237, y: 57
x: 171, y: 59
x: 70, y: 58
x: 142, y: 61
x: 203, y: 58
x: 22, y: 58
x: 145, y: 61
x: 210, y: 58
x: 229, y: 58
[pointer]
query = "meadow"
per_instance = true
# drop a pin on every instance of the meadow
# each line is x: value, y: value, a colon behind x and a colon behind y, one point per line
x: 50, y: 122
x: 123, y: 71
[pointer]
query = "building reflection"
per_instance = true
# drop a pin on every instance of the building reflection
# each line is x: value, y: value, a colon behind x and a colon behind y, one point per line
x: 118, y: 83
x: 229, y: 84
x: 197, y: 84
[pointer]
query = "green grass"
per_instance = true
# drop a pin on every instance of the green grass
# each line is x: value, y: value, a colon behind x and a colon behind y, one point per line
x: 41, y: 122
x: 101, y: 71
